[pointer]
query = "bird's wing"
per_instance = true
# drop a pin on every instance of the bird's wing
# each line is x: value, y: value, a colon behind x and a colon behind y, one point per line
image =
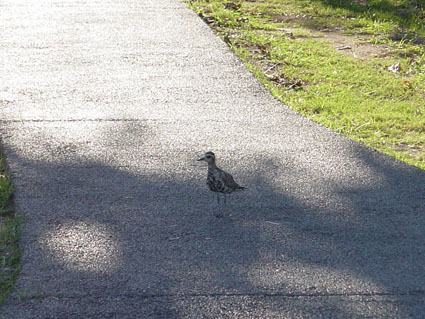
x: 228, y: 179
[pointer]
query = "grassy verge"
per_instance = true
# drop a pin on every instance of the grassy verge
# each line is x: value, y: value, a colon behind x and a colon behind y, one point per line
x: 9, y: 232
x: 377, y: 99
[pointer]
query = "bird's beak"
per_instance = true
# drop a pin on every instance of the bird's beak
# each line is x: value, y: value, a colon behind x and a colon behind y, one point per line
x: 201, y: 159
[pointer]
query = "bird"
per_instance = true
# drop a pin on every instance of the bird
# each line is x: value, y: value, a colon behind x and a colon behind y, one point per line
x: 218, y: 180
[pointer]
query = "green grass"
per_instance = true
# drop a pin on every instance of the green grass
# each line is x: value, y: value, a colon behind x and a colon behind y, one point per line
x: 360, y: 98
x: 9, y: 233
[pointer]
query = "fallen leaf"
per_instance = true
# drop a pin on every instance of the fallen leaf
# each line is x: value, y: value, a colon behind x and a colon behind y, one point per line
x: 242, y: 19
x: 297, y: 83
x: 290, y: 34
x: 344, y: 47
x: 408, y: 84
x: 395, y: 67
x: 262, y: 48
x: 210, y: 20
x: 290, y: 84
x: 232, y: 6
x: 207, y: 19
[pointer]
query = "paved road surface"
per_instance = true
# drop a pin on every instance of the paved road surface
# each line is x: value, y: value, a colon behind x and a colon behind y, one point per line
x: 105, y: 107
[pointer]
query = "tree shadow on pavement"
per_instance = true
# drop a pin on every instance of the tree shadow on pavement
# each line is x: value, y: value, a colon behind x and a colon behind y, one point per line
x: 122, y: 242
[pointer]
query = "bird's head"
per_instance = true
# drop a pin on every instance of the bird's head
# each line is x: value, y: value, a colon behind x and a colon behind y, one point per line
x: 208, y: 157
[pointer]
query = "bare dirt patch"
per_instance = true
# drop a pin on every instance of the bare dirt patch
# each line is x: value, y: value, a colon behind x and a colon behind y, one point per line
x: 356, y: 46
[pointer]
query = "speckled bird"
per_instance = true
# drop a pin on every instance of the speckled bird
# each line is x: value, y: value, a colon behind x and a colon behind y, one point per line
x: 218, y: 180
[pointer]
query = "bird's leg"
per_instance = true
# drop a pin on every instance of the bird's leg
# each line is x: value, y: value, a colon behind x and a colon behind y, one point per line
x: 219, y: 214
x: 225, y: 207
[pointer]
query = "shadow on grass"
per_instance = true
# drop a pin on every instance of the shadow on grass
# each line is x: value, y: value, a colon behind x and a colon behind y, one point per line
x: 402, y: 14
x: 125, y: 241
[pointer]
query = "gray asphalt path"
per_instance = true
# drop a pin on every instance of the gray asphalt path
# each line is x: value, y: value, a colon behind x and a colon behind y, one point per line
x: 105, y: 107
